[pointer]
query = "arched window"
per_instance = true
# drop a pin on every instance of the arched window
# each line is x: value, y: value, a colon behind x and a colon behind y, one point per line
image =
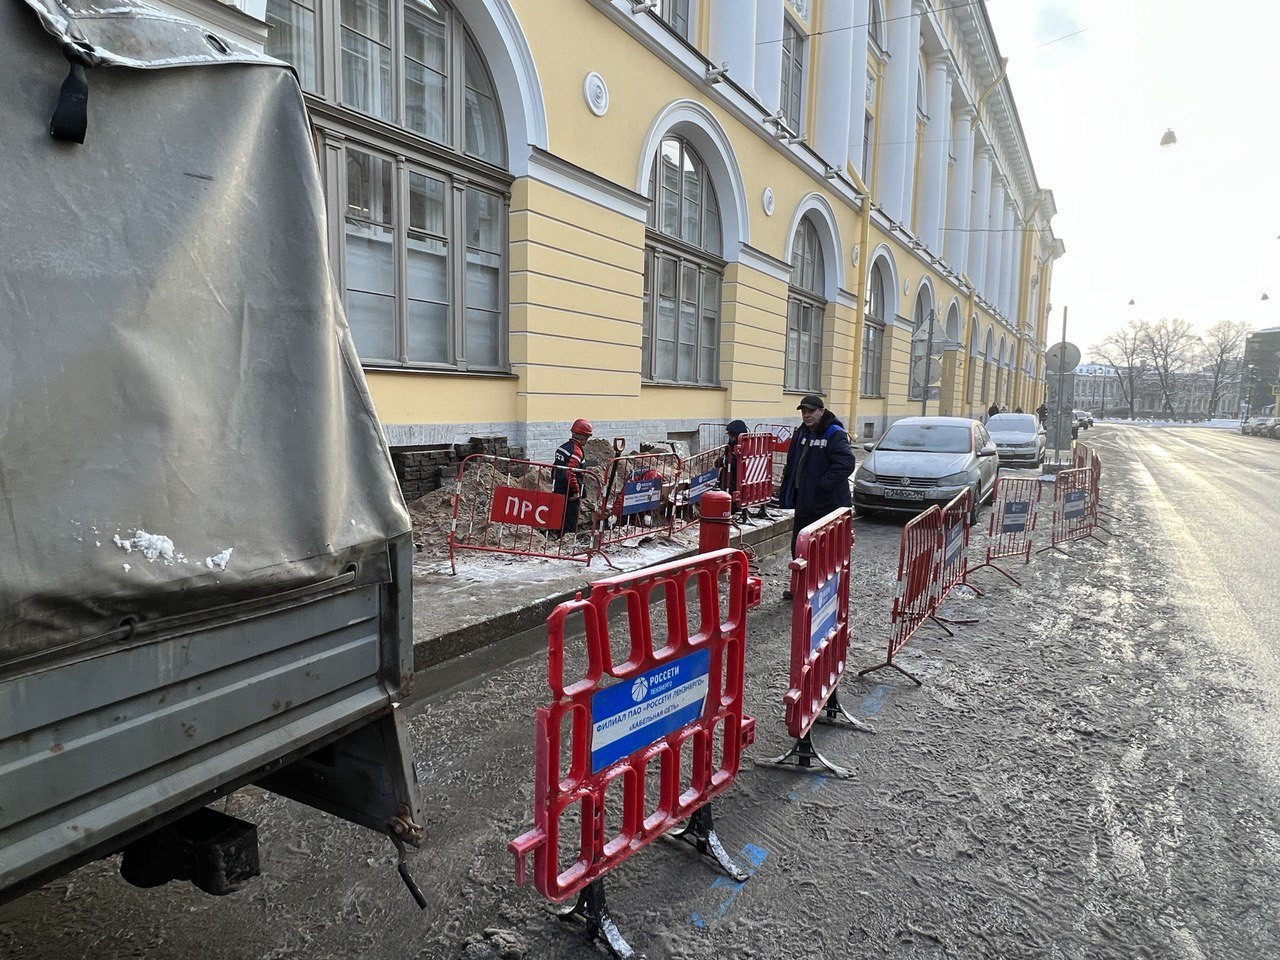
x: 683, y: 270
x: 423, y: 249
x: 986, y: 365
x: 920, y: 335
x: 953, y: 325
x: 971, y: 379
x: 1000, y: 372
x: 805, y: 309
x: 873, y: 332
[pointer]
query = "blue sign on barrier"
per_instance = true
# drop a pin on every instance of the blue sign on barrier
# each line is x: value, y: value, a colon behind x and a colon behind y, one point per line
x: 822, y: 619
x: 954, y: 545
x: 701, y: 484
x: 628, y: 716
x: 1014, y: 518
x: 1074, y: 504
x: 641, y: 496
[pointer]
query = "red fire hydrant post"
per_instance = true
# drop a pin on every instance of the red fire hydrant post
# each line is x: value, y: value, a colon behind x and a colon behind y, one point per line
x: 714, y: 519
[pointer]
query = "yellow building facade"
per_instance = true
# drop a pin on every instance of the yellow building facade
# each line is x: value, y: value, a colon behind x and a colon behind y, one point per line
x: 658, y: 214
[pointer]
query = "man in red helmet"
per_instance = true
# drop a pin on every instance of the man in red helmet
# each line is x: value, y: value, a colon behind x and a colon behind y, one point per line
x: 566, y: 478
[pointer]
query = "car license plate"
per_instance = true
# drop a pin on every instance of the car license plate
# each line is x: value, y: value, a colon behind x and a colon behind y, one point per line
x: 904, y: 494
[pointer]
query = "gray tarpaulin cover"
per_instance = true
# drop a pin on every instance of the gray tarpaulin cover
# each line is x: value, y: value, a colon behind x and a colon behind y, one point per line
x: 183, y: 420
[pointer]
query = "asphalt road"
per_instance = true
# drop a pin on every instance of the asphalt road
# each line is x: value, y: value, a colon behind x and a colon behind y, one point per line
x: 1087, y: 773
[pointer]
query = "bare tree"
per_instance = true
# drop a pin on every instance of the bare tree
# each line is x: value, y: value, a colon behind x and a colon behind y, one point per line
x: 1171, y: 346
x: 1125, y: 350
x: 1223, y: 345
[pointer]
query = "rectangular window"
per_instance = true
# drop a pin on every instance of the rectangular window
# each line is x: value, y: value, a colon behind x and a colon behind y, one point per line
x: 868, y: 129
x: 792, y: 98
x: 366, y: 56
x: 681, y: 331
x: 872, y: 359
x: 405, y: 302
x: 292, y: 37
x: 426, y: 70
x: 804, y: 346
x: 675, y: 14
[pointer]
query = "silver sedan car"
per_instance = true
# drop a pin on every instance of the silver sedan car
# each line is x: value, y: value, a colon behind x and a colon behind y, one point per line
x: 921, y: 461
x: 1019, y: 438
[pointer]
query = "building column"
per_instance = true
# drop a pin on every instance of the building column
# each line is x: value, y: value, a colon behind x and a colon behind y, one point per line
x: 733, y: 40
x: 979, y: 211
x: 1011, y: 245
x: 959, y: 198
x: 995, y: 239
x: 937, y: 141
x: 836, y: 63
x: 858, y: 83
x: 768, y: 74
x: 896, y: 157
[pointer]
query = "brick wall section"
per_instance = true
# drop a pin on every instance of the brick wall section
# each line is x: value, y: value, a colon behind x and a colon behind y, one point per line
x: 423, y: 468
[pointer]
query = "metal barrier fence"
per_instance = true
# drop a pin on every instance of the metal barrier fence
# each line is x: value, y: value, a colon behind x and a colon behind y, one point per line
x: 954, y: 569
x: 669, y: 705
x: 755, y: 468
x: 522, y: 507
x: 917, y: 598
x: 1079, y: 454
x: 781, y: 434
x: 820, y: 583
x: 699, y: 474
x: 711, y: 435
x: 1073, y: 511
x: 638, y: 492
x: 1015, y: 513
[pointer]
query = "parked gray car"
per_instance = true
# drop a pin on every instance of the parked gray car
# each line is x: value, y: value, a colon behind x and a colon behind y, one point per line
x: 921, y: 461
x: 1019, y: 438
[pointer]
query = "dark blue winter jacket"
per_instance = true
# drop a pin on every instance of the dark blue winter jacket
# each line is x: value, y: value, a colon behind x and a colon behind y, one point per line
x: 819, y: 464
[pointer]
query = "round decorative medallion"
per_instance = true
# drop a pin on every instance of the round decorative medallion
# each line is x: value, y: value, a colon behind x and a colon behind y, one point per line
x: 854, y: 256
x: 597, y: 94
x: 906, y: 286
x: 767, y: 201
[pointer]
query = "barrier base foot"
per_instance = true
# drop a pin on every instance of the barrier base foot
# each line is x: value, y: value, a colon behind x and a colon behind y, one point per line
x: 592, y: 910
x: 889, y: 663
x: 1054, y: 547
x: 943, y: 621
x: 806, y: 753
x: 700, y: 831
x: 834, y: 714
x: 998, y: 569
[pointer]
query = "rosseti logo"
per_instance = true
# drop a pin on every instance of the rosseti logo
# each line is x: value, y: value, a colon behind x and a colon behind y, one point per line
x: 639, y: 689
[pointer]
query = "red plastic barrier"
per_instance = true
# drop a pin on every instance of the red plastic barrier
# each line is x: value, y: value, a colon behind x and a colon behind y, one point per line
x: 638, y: 497
x: 649, y: 704
x: 819, y: 617
x: 919, y: 564
x: 953, y: 568
x: 781, y: 434
x: 755, y: 469
x: 502, y: 505
x: 1073, y: 512
x: 1015, y: 513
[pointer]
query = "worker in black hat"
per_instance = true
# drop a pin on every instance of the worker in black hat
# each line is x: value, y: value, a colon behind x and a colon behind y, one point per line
x: 819, y: 464
x: 728, y: 463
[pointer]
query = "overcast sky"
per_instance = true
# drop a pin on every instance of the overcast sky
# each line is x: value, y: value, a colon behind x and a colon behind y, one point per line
x: 1184, y: 231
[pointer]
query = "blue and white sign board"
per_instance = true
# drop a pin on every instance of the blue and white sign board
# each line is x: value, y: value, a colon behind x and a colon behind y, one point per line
x: 1014, y: 518
x: 632, y: 715
x: 822, y: 616
x: 1073, y: 508
x: 641, y: 496
x: 954, y: 545
x: 701, y: 484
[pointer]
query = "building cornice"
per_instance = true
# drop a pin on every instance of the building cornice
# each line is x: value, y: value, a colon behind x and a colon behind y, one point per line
x: 546, y: 167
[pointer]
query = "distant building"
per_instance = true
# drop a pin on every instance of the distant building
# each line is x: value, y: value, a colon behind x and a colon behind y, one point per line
x: 1097, y: 388
x: 1261, y: 369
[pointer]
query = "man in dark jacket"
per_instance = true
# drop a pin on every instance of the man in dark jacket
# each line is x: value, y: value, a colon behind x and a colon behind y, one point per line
x: 728, y: 463
x: 815, y: 480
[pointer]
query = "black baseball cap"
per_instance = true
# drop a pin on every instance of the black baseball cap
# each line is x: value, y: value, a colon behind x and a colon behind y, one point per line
x: 811, y: 402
